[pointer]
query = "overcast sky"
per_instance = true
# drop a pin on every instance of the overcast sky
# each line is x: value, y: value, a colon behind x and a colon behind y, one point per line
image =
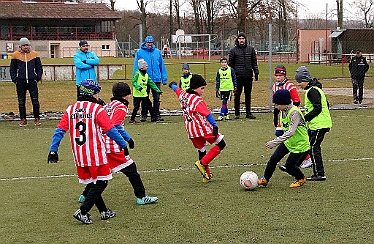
x: 312, y: 7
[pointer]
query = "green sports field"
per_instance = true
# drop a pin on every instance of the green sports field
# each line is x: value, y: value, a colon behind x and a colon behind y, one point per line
x: 39, y: 199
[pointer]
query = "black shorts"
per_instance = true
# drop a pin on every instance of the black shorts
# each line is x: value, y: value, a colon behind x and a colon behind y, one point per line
x: 225, y: 95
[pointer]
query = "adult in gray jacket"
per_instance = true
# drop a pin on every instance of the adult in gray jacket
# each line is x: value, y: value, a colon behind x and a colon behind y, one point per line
x: 242, y: 58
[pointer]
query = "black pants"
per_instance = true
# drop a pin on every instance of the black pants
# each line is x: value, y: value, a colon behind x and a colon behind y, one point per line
x: 156, y: 102
x: 32, y: 87
x: 146, y: 102
x: 293, y: 162
x: 315, y: 138
x: 245, y: 83
x: 135, y: 180
x: 94, y: 197
x: 358, y: 84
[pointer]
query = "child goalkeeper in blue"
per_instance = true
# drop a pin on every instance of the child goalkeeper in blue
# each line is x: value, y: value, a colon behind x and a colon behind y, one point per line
x: 225, y: 84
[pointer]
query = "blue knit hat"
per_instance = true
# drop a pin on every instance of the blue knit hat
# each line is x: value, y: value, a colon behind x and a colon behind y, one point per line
x: 89, y: 87
x: 282, y: 97
x: 185, y: 66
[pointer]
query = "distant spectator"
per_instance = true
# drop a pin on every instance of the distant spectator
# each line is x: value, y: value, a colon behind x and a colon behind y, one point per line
x: 26, y: 71
x: 358, y: 67
x: 85, y: 62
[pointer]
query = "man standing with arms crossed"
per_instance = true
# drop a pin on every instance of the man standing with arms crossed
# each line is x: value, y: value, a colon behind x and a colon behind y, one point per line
x: 242, y: 58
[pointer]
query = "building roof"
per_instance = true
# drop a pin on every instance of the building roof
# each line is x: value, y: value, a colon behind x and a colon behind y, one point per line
x: 56, y: 10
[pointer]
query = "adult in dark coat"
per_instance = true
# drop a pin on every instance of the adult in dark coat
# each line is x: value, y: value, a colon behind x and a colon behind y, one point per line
x: 242, y: 58
x: 358, y: 66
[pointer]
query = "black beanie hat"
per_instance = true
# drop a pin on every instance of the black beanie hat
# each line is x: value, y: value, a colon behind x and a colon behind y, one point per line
x: 83, y: 42
x: 282, y: 97
x: 121, y: 89
x: 197, y: 81
x: 280, y: 69
x: 241, y: 34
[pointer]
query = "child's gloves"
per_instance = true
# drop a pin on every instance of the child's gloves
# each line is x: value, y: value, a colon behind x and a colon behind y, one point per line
x: 215, y: 130
x: 52, y: 157
x: 126, y: 151
x: 172, y: 83
x: 131, y: 143
x: 278, y: 131
x: 218, y: 94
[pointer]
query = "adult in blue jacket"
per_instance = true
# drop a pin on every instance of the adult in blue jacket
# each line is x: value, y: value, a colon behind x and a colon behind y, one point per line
x: 85, y: 62
x: 156, y: 71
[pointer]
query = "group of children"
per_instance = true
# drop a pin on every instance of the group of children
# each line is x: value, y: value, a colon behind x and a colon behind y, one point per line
x: 99, y: 141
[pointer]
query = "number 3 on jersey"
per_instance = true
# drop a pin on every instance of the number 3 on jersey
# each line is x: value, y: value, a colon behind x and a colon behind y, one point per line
x: 81, y: 127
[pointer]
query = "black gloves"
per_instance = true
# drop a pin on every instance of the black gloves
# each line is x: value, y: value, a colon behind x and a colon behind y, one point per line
x: 256, y: 77
x: 141, y: 88
x: 131, y: 143
x: 172, y: 83
x: 84, y: 61
x: 218, y: 95
x: 52, y: 157
x: 215, y: 130
x: 126, y: 151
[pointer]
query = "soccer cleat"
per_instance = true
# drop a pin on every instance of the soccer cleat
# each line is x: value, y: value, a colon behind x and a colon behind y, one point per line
x: 316, y: 178
x: 355, y: 102
x: 237, y: 116
x: 220, y: 118
x: 205, y: 180
x: 133, y: 121
x: 298, y: 183
x: 146, y: 200
x: 107, y: 214
x: 283, y: 168
x: 143, y: 119
x: 23, y: 123
x: 262, y: 181
x: 81, y: 199
x: 202, y: 170
x: 37, y: 121
x: 227, y: 117
x: 159, y: 118
x: 250, y: 116
x: 84, y: 218
x: 307, y: 163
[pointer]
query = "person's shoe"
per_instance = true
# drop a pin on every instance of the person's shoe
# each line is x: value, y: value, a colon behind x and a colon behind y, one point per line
x: 23, y: 123
x: 146, y: 200
x: 159, y: 118
x: 84, y: 218
x: 202, y: 170
x: 237, y: 116
x: 133, y: 121
x: 307, y: 163
x: 220, y: 118
x: 298, y: 183
x: 107, y: 214
x: 250, y: 116
x: 153, y: 119
x: 81, y: 199
x: 355, y: 102
x: 227, y: 117
x: 143, y: 119
x: 262, y: 181
x: 316, y: 178
x: 359, y: 101
x: 37, y: 121
x: 283, y: 168
x: 205, y: 180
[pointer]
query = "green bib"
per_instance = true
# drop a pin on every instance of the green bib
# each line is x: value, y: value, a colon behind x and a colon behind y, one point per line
x: 142, y: 82
x: 323, y: 120
x: 225, y: 78
x: 185, y: 82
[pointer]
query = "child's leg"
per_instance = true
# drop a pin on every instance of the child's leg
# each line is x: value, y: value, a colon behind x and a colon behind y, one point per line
x: 94, y: 197
x: 224, y: 109
x: 137, y: 101
x: 278, y: 154
x: 213, y: 152
x: 292, y: 162
x: 135, y: 180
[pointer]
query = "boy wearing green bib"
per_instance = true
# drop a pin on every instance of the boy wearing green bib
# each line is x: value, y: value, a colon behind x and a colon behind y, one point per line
x: 294, y: 141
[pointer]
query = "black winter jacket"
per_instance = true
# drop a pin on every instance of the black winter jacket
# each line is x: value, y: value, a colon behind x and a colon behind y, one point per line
x: 358, y: 67
x: 243, y: 60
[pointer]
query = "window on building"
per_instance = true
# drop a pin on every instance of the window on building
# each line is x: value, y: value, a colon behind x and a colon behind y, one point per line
x: 105, y: 47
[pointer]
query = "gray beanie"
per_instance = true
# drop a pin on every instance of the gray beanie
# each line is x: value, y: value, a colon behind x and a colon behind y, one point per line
x: 142, y: 63
x: 24, y: 41
x: 302, y: 74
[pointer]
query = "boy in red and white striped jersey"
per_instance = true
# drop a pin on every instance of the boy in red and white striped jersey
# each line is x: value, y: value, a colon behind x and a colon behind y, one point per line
x: 85, y: 120
x: 196, y: 118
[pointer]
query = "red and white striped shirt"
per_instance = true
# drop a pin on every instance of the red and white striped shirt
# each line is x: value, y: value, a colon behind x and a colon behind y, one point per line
x: 291, y: 88
x: 85, y: 122
x: 195, y: 112
x: 117, y: 112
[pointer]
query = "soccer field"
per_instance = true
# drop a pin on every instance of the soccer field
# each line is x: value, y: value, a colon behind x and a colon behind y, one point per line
x: 39, y: 199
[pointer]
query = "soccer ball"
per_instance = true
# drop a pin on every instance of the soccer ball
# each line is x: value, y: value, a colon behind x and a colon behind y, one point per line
x: 248, y: 180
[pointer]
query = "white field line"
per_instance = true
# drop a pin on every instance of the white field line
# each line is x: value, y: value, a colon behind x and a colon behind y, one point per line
x: 175, y: 169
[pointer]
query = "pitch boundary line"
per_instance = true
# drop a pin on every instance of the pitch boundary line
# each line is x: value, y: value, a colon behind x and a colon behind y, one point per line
x: 170, y: 170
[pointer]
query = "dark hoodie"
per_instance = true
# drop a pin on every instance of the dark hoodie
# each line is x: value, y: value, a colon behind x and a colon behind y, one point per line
x: 242, y: 58
x: 315, y: 98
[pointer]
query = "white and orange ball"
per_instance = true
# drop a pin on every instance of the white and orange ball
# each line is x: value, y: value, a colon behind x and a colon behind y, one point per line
x: 248, y: 180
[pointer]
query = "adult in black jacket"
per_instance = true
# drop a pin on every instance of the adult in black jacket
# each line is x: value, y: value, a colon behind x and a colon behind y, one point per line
x: 242, y: 58
x: 358, y: 67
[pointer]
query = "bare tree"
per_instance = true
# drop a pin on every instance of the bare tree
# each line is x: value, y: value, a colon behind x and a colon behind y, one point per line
x: 365, y: 8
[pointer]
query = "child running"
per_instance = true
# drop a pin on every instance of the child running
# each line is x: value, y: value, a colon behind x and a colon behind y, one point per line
x: 295, y: 140
x: 196, y: 118
x: 225, y: 84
